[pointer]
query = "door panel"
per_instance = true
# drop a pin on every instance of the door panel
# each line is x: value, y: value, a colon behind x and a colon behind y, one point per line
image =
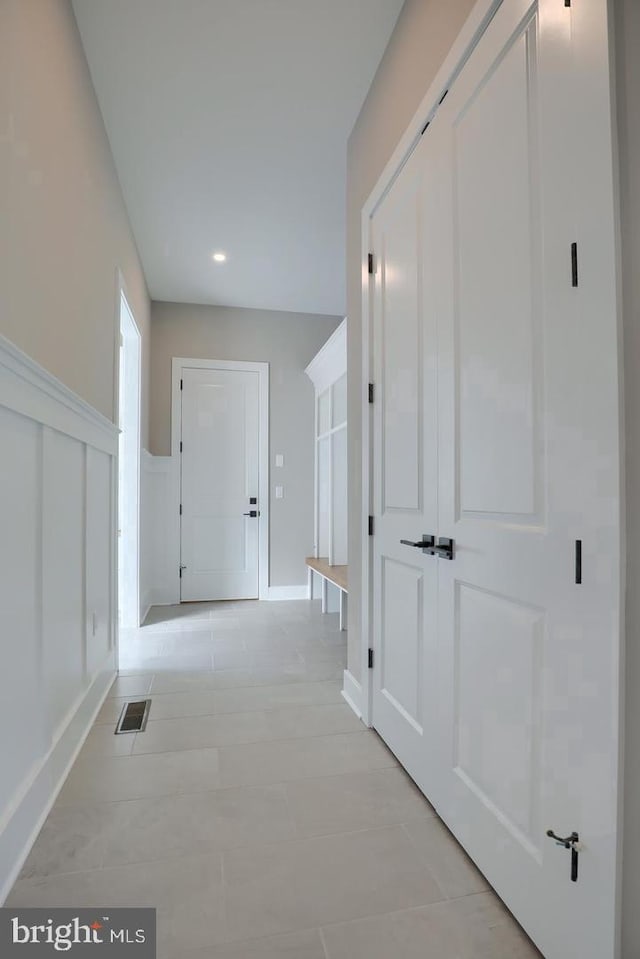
x: 220, y: 430
x: 402, y: 603
x: 405, y: 470
x: 497, y: 259
x: 497, y: 682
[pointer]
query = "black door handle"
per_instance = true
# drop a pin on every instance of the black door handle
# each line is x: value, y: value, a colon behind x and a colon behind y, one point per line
x: 426, y: 544
x: 443, y: 548
x: 252, y: 512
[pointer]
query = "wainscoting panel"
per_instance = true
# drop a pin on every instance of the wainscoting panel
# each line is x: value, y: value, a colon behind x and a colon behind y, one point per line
x: 57, y: 590
x: 160, y: 533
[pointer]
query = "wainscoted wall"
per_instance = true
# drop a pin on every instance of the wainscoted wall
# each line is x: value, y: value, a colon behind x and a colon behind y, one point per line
x: 57, y: 591
x: 160, y: 533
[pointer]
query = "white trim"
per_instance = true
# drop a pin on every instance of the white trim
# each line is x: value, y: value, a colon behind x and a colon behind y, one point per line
x: 352, y: 693
x: 123, y: 301
x: 18, y: 828
x: 474, y: 26
x: 28, y: 389
x: 330, y: 362
x: 178, y: 365
x: 279, y: 593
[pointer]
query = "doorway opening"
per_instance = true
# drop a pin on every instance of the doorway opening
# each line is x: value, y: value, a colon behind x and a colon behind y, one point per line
x: 129, y: 393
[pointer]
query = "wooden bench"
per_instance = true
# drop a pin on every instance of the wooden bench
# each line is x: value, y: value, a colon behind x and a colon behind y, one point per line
x: 337, y: 575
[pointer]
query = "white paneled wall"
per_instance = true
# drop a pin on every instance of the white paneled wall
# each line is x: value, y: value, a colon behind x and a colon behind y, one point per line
x: 160, y: 533
x: 57, y: 590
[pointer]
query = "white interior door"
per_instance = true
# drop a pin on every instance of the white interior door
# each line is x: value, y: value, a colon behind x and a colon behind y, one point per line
x: 528, y: 441
x: 220, y: 477
x: 405, y: 471
x: 496, y: 673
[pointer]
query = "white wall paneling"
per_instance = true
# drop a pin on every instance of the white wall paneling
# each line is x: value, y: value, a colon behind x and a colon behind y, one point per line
x: 159, y: 523
x: 57, y: 591
x: 328, y: 372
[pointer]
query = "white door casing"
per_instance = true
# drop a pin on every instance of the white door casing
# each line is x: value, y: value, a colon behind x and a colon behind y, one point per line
x: 223, y: 459
x: 496, y: 676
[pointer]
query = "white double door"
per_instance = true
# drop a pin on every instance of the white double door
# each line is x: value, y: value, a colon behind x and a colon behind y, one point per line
x: 220, y: 432
x: 496, y: 426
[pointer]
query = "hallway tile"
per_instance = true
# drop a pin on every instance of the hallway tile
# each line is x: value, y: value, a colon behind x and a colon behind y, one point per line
x: 187, y: 893
x: 450, y: 866
x: 137, y: 685
x: 256, y: 812
x: 134, y: 777
x: 175, y: 826
x: 71, y: 840
x: 286, y: 760
x: 275, y: 888
x: 177, y: 681
x: 296, y: 945
x: 476, y: 927
x: 355, y: 801
x: 102, y: 741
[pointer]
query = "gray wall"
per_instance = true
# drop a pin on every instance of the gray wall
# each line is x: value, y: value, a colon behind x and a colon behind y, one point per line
x: 287, y: 341
x: 628, y: 102
x: 423, y: 35
x: 64, y: 228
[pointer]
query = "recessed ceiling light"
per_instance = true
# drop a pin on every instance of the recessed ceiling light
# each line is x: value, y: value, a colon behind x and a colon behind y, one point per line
x: 219, y: 257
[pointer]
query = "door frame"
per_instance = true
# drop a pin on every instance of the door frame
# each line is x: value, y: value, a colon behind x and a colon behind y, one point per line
x: 473, y: 29
x: 123, y: 300
x: 178, y: 365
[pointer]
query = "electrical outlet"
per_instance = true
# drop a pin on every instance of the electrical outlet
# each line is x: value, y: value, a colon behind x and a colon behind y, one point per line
x: 279, y: 459
x: 279, y: 492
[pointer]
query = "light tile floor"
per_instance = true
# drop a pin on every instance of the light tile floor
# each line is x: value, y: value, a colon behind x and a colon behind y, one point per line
x: 256, y: 812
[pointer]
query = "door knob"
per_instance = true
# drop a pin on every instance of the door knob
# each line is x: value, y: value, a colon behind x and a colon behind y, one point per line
x: 252, y: 512
x: 426, y: 544
x: 443, y: 548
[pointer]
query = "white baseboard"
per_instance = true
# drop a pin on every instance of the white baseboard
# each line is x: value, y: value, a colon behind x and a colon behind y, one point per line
x: 352, y: 693
x: 20, y: 830
x: 163, y: 597
x: 278, y: 593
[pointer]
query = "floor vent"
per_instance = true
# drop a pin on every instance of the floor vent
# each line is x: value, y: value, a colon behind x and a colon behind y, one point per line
x: 133, y: 718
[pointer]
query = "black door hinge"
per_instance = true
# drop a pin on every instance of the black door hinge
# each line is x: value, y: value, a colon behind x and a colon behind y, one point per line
x: 574, y: 264
x: 371, y: 392
x: 370, y: 659
x: 371, y: 526
x: 578, y: 562
x: 180, y: 570
x: 181, y: 384
x: 372, y: 264
x: 181, y: 446
x: 181, y: 509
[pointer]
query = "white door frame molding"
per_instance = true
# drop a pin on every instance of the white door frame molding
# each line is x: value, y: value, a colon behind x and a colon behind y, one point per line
x: 178, y: 365
x: 467, y: 40
x: 123, y: 300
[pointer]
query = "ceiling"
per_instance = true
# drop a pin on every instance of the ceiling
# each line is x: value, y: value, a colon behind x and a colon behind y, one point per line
x: 228, y: 121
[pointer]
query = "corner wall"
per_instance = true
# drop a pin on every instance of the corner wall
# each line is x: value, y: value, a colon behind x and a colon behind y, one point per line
x: 424, y: 33
x: 287, y: 341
